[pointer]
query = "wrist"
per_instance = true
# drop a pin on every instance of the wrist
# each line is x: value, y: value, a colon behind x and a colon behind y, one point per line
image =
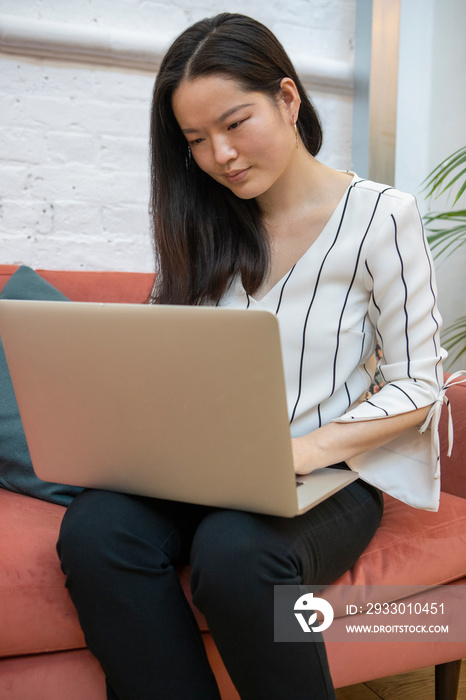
x: 308, y: 454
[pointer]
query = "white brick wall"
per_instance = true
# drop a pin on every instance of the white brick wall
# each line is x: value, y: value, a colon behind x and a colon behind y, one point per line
x: 74, y: 137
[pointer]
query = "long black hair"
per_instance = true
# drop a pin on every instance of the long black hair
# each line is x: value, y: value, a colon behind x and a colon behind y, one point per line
x: 203, y: 234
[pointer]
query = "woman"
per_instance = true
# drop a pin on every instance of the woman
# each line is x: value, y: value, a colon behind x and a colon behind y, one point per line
x: 244, y: 215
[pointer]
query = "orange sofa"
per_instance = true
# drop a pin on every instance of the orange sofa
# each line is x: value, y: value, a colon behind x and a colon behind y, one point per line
x: 42, y: 650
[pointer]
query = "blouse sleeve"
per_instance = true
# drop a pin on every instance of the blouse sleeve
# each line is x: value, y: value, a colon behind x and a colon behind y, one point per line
x: 399, y: 275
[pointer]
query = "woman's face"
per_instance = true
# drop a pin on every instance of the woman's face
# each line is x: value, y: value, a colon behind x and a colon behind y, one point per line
x: 244, y: 140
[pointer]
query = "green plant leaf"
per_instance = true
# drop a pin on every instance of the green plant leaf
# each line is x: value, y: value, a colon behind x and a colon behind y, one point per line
x: 447, y: 232
x: 446, y: 238
x: 437, y: 177
x: 455, y: 214
x: 441, y: 245
x: 454, y: 338
x: 460, y: 191
x: 451, y: 183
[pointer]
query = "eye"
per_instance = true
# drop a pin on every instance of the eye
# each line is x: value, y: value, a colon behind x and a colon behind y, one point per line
x: 195, y: 142
x: 235, y: 125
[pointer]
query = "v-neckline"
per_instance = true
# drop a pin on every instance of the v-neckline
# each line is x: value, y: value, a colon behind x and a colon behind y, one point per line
x: 320, y: 237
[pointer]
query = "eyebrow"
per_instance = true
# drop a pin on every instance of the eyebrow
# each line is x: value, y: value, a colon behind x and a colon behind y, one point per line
x: 222, y: 117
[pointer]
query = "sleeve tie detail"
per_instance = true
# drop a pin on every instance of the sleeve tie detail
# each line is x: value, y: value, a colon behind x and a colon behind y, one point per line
x: 433, y: 417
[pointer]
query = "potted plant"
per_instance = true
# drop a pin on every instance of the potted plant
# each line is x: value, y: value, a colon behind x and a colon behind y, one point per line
x: 447, y: 231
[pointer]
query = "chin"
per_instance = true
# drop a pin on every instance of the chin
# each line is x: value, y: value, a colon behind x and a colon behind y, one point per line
x: 246, y: 192
x: 243, y: 196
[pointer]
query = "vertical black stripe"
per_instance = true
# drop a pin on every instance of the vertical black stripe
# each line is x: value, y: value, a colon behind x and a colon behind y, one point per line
x: 363, y: 343
x: 379, y: 334
x: 405, y: 303
x: 283, y: 287
x: 349, y: 290
x: 382, y: 374
x: 373, y: 295
x: 368, y: 373
x: 303, y: 345
x: 348, y: 395
x: 319, y: 416
x: 431, y: 274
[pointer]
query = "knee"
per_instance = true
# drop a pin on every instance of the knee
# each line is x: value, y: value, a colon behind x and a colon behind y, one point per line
x: 85, y: 526
x: 222, y: 540
x: 102, y: 530
x: 233, y: 558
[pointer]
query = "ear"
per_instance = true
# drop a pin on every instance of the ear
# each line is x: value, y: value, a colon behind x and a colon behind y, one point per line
x: 291, y: 98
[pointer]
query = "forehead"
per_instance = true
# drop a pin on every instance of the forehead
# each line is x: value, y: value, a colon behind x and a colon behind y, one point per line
x: 206, y: 99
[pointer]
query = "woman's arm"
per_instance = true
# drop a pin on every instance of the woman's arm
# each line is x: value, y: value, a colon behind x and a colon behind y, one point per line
x: 400, y: 277
x: 337, y: 442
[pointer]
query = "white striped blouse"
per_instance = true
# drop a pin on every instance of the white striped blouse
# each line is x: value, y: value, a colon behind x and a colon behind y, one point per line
x: 367, y: 278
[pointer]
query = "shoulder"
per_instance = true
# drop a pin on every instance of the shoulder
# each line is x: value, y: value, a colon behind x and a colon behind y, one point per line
x: 382, y: 206
x: 370, y: 192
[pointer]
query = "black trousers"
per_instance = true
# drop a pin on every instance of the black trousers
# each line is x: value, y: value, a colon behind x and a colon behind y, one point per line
x: 119, y: 554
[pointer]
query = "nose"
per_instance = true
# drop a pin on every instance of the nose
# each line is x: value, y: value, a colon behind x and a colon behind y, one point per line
x: 223, y: 150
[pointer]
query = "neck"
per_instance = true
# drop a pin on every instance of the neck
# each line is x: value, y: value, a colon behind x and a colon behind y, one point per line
x: 293, y: 187
x: 306, y: 186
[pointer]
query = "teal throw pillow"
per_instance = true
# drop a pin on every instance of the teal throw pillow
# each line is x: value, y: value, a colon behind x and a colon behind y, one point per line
x: 16, y: 472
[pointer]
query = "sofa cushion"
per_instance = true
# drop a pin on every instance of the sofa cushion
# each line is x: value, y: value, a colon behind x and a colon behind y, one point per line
x: 16, y: 472
x: 414, y: 547
x: 36, y: 613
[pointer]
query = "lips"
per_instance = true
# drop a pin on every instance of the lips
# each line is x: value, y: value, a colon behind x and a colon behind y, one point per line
x: 234, y: 176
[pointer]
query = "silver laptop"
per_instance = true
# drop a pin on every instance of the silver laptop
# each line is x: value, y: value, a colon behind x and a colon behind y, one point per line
x: 181, y: 403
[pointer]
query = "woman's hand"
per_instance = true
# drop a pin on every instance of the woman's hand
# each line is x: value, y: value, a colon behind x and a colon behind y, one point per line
x: 305, y: 458
x: 337, y: 442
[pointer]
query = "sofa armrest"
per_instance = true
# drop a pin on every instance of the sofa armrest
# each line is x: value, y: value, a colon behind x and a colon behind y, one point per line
x: 102, y: 287
x: 454, y: 467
